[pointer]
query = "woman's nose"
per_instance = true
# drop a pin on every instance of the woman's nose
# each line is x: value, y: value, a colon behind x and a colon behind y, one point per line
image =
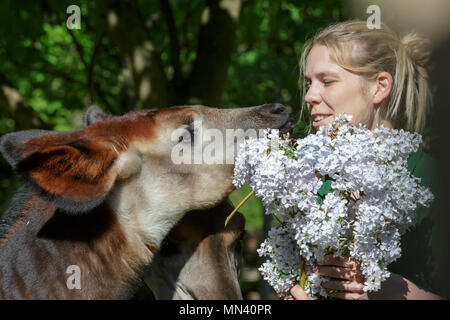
x: 312, y: 96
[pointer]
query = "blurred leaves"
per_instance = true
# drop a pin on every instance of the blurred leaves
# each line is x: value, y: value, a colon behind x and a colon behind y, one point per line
x: 304, y: 125
x: 252, y: 209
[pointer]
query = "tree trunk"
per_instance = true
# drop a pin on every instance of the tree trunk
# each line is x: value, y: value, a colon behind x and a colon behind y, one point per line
x: 216, y: 44
x: 138, y: 53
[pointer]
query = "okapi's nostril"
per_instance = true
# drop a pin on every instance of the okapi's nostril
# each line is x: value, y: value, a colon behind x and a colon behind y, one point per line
x: 278, y: 108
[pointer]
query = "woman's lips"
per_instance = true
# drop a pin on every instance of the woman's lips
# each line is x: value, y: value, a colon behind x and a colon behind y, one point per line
x: 320, y: 119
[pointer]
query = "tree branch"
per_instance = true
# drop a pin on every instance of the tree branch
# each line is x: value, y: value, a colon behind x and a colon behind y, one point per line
x: 90, y: 77
x: 79, y: 48
x: 103, y: 97
x: 174, y: 44
x: 186, y: 22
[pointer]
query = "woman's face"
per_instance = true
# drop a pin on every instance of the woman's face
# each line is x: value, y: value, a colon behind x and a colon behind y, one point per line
x: 333, y: 90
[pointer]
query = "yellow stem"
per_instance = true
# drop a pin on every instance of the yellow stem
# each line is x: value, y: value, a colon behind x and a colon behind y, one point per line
x: 303, y: 275
x: 238, y: 206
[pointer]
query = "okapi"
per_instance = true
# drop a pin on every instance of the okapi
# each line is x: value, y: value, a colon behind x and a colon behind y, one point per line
x: 200, y: 257
x: 103, y: 198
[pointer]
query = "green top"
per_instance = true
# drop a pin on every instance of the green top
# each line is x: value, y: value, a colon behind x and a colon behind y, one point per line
x: 422, y: 166
x: 419, y: 259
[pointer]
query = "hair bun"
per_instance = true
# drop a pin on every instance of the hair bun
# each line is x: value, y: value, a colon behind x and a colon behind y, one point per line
x: 417, y: 48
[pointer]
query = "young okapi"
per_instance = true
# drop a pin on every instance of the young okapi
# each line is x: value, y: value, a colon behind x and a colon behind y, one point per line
x: 200, y: 257
x: 103, y: 198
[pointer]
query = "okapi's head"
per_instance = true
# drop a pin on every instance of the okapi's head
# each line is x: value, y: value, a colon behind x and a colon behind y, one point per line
x: 128, y: 162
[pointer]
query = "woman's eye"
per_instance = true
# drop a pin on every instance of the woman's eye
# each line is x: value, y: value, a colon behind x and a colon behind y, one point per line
x: 328, y: 81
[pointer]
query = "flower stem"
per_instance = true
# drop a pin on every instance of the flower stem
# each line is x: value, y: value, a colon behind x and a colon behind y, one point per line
x: 302, y: 276
x: 238, y: 206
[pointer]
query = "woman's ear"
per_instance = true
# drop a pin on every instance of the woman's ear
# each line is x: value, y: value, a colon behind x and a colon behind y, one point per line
x: 383, y: 87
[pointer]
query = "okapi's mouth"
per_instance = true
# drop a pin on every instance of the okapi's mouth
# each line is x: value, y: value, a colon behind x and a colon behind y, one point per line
x: 286, y: 127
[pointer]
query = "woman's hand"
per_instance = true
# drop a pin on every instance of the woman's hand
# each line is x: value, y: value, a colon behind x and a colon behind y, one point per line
x: 298, y: 293
x: 346, y: 280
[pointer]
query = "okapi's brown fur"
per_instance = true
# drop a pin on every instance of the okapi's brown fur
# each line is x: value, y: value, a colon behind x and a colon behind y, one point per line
x: 111, y: 265
x: 103, y: 199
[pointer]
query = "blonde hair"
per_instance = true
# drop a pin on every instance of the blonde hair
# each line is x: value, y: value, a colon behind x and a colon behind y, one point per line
x: 367, y: 52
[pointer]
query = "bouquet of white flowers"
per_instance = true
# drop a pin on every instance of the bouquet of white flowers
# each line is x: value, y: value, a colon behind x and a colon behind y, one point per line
x: 344, y: 190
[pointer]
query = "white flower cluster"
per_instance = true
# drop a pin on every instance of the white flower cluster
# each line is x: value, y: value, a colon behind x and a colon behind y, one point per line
x: 369, y: 204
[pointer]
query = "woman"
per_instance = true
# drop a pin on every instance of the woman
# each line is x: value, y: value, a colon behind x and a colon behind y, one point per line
x: 381, y: 80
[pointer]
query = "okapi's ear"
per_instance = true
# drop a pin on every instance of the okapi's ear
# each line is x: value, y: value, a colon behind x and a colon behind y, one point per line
x: 72, y: 171
x: 93, y: 114
x: 10, y: 140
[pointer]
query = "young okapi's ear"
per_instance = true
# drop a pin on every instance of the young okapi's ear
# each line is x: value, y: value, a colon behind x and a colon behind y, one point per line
x: 93, y: 114
x: 72, y: 171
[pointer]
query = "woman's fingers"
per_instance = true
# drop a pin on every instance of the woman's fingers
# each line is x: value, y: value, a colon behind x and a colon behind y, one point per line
x: 343, y: 285
x: 298, y: 293
x: 346, y: 279
x: 339, y: 273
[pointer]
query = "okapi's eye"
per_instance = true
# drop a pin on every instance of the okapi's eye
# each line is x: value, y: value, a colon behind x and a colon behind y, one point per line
x: 188, y: 135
